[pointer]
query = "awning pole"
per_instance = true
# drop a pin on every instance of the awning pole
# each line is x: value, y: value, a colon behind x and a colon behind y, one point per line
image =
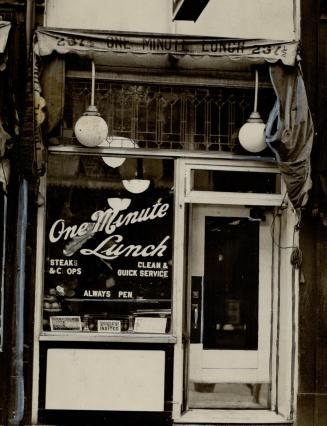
x: 256, y: 87
x: 93, y: 84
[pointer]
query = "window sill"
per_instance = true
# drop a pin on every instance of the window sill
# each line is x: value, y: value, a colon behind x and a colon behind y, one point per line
x: 231, y: 416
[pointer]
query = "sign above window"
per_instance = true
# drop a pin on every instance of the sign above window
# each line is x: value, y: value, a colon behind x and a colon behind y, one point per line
x: 157, y: 49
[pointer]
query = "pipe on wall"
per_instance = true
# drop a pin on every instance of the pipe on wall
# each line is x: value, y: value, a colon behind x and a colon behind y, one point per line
x: 17, y: 411
x: 30, y: 19
x: 3, y: 262
x: 17, y: 405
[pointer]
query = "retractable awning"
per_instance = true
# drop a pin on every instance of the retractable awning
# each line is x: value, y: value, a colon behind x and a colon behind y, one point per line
x: 159, y: 49
x: 290, y: 117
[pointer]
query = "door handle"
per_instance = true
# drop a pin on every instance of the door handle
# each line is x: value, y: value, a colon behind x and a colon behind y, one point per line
x: 195, y: 315
x: 195, y: 309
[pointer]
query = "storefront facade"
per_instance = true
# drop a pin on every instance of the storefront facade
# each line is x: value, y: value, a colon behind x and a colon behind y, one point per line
x: 167, y: 257
x: 9, y: 35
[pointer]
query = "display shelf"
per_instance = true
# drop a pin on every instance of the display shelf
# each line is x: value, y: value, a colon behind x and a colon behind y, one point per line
x: 127, y: 337
x: 67, y: 299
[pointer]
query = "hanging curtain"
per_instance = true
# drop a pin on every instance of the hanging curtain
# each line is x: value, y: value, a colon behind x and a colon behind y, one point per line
x: 289, y: 131
x: 53, y: 90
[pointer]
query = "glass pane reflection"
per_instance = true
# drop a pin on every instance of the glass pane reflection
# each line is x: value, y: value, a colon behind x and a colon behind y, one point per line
x: 231, y: 283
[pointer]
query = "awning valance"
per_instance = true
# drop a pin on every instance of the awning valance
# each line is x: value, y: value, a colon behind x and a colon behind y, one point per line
x: 108, y: 47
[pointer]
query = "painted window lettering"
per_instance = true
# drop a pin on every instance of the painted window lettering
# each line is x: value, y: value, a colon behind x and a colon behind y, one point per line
x: 116, y: 250
x: 97, y: 293
x: 63, y: 262
x: 106, y: 221
x: 69, y: 271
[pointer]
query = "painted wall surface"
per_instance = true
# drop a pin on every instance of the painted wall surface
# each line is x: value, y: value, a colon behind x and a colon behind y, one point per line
x: 98, y: 379
x: 271, y: 19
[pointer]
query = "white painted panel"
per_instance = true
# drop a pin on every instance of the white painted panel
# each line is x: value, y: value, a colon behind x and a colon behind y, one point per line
x: 222, y: 359
x: 272, y: 19
x: 99, y: 379
x: 244, y: 375
x: 230, y: 359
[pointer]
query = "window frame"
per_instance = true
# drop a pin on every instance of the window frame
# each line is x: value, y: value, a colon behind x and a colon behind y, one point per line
x: 42, y: 335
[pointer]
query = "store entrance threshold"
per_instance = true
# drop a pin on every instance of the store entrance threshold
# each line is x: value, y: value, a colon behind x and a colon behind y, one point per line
x: 223, y: 417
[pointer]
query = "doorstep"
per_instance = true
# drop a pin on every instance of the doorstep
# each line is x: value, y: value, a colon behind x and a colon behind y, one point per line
x: 225, y: 417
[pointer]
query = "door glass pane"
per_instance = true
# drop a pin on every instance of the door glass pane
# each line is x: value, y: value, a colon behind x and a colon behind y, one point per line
x: 231, y: 282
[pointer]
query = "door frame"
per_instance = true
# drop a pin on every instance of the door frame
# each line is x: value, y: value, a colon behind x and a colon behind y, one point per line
x: 284, y: 277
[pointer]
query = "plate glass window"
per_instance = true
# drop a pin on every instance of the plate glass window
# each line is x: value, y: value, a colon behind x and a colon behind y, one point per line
x: 108, y: 265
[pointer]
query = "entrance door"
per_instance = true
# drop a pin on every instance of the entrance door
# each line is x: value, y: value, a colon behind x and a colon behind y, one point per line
x: 230, y: 264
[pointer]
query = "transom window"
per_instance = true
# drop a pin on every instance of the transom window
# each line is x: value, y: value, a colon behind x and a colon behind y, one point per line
x: 167, y: 116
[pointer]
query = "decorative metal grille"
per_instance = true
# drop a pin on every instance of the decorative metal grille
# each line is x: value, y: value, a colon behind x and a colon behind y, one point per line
x: 167, y: 117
